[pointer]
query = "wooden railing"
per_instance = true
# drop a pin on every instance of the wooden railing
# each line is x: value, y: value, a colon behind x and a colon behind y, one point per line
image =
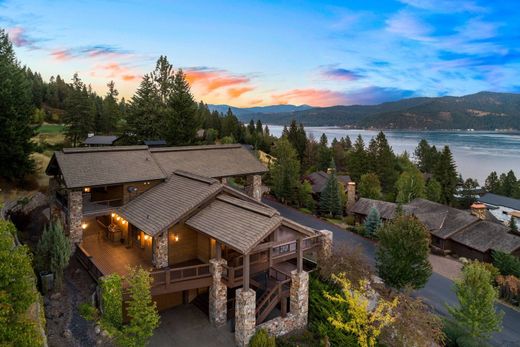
x: 289, y: 249
x: 86, y: 260
x: 234, y: 276
x: 270, y: 299
x: 168, y: 279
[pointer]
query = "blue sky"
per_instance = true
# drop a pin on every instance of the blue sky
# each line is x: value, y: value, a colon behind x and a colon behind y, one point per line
x: 249, y: 53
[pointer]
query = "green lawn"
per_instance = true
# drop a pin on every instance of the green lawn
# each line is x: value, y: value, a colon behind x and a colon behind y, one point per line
x: 50, y: 129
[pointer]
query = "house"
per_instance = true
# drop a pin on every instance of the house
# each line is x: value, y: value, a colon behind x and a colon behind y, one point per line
x: 318, y: 181
x: 472, y: 234
x: 155, y: 143
x: 169, y: 210
x: 502, y: 207
x: 100, y: 140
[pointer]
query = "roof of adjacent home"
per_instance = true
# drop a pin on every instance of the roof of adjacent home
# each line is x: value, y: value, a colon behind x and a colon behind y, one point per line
x: 500, y: 200
x: 386, y: 209
x: 235, y: 222
x: 98, y: 166
x: 486, y: 235
x: 319, y: 180
x: 100, y: 140
x: 211, y: 160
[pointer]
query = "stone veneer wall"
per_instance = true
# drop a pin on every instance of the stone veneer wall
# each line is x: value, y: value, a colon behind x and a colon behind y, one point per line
x: 297, y: 318
x: 351, y: 195
x: 75, y: 216
x: 254, y: 186
x: 325, y: 245
x: 217, y: 294
x: 245, y: 317
x: 160, y: 250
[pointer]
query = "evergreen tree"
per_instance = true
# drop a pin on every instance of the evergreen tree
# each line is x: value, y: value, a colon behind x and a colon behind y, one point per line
x: 410, y: 185
x: 384, y: 162
x: 446, y: 174
x: 330, y: 197
x: 492, y: 183
x: 15, y: 115
x: 476, y: 313
x: 145, y: 113
x: 369, y: 186
x: 324, y: 153
x: 111, y: 113
x: 433, y: 190
x: 78, y: 117
x: 372, y: 222
x: 357, y: 160
x: 181, y: 124
x: 426, y: 156
x: 402, y: 254
x: 164, y: 79
x: 297, y: 137
x: 285, y: 172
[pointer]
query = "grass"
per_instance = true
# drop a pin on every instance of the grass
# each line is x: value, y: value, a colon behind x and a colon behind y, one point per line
x: 50, y: 128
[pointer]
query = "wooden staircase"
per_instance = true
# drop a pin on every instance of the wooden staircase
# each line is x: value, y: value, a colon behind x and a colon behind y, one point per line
x: 277, y: 291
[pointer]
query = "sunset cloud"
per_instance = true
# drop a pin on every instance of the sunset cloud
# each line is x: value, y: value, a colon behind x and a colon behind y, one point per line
x: 237, y: 92
x: 20, y: 38
x: 213, y: 79
x: 336, y: 73
x: 92, y: 51
x: 116, y: 71
x: 314, y: 97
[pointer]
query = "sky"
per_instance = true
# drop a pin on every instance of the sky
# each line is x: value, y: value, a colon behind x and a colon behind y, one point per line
x: 256, y: 53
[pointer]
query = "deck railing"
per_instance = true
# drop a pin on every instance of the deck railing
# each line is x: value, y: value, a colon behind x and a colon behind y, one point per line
x: 167, y: 278
x: 270, y: 299
x: 86, y: 260
x: 288, y: 249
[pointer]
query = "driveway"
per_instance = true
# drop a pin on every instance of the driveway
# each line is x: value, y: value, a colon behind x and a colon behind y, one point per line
x: 186, y: 325
x: 437, y: 292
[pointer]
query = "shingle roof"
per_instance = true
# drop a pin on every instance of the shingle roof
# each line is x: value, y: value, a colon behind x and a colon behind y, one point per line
x: 155, y: 142
x: 499, y: 200
x: 319, y: 179
x: 209, y: 161
x: 237, y: 223
x: 100, y: 140
x: 386, y: 209
x: 167, y: 203
x: 96, y: 166
x: 443, y: 221
x: 486, y: 235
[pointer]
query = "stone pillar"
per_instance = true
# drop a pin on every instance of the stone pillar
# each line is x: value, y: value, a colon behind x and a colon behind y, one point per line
x: 300, y: 298
x: 254, y: 186
x: 351, y: 195
x: 223, y: 180
x: 325, y: 245
x: 160, y: 250
x: 75, y: 216
x: 217, y: 294
x: 479, y: 210
x: 245, y: 317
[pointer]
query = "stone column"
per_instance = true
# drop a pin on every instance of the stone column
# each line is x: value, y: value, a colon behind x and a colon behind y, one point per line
x: 223, y: 180
x: 300, y: 298
x: 325, y: 245
x: 351, y: 195
x: 160, y: 250
x: 254, y: 186
x: 75, y: 216
x: 217, y: 293
x: 245, y: 317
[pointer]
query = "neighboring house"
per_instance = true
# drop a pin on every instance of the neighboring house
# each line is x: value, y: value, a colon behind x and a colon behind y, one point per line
x: 155, y: 143
x: 167, y: 210
x: 472, y: 234
x: 502, y: 207
x: 100, y: 140
x: 318, y: 181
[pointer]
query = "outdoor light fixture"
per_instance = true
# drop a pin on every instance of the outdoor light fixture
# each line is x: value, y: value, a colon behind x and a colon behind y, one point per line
x: 113, y: 214
x: 118, y: 218
x: 84, y: 226
x: 87, y: 189
x: 146, y: 237
x: 176, y: 238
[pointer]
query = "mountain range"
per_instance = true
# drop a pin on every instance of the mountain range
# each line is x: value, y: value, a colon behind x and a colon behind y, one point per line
x: 480, y: 111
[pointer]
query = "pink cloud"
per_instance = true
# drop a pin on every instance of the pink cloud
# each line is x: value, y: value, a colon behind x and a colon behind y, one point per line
x: 115, y: 70
x: 19, y: 37
x: 237, y: 92
x: 315, y: 97
x: 211, y: 80
x: 61, y: 55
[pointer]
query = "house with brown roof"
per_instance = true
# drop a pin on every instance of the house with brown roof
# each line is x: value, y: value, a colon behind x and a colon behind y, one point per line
x: 472, y: 234
x: 170, y: 211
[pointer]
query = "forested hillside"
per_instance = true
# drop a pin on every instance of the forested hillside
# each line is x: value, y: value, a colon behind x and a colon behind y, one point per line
x: 480, y: 111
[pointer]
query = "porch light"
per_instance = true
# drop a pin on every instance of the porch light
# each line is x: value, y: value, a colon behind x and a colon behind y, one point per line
x: 118, y: 218
x: 146, y: 237
x: 84, y: 226
x: 113, y: 214
x: 87, y: 189
x: 176, y: 238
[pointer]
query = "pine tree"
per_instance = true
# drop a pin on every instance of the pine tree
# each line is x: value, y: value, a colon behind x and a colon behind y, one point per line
x: 78, y: 117
x: 492, y: 183
x: 15, y: 115
x: 426, y: 156
x: 372, y: 222
x: 433, y: 190
x: 324, y: 153
x: 330, y: 197
x: 402, y: 254
x: 110, y: 114
x: 181, y: 125
x: 476, y: 312
x: 297, y: 137
x: 446, y: 174
x: 164, y: 79
x: 357, y: 160
x: 383, y: 162
x: 285, y: 172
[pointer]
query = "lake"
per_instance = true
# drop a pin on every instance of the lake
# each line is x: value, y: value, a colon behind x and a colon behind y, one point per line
x: 476, y: 153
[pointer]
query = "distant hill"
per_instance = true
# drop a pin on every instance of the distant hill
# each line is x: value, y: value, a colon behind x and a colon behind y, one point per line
x: 480, y: 111
x: 259, y: 109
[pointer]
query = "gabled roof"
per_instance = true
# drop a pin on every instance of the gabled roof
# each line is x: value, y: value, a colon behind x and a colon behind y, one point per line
x: 235, y: 222
x: 97, y: 166
x: 500, y: 200
x: 486, y: 235
x: 386, y: 209
x: 100, y: 140
x: 210, y: 161
x: 319, y: 179
x: 443, y: 221
x: 165, y: 204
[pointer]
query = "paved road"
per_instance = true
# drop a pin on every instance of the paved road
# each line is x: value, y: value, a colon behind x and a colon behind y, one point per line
x: 438, y: 291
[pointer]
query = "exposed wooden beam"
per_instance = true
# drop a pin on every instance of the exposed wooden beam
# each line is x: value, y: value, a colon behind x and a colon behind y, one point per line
x: 299, y: 251
x: 218, y: 252
x: 246, y: 272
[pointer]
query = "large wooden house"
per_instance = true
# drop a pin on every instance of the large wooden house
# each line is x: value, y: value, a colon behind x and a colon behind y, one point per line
x: 170, y: 211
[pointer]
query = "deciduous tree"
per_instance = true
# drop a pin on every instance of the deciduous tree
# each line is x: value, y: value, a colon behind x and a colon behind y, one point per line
x: 410, y: 185
x: 369, y: 186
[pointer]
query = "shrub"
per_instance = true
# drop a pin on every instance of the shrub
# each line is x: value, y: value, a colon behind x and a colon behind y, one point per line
x: 112, y: 300
x: 88, y: 311
x: 507, y: 264
x: 372, y: 222
x: 509, y: 288
x: 262, y: 339
x: 350, y: 220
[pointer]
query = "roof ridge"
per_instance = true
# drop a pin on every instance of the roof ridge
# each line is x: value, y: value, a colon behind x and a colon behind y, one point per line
x: 103, y: 149
x: 195, y: 177
x: 248, y: 205
x: 194, y: 148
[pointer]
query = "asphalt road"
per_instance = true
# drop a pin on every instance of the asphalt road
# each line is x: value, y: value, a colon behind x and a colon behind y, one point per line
x: 437, y: 292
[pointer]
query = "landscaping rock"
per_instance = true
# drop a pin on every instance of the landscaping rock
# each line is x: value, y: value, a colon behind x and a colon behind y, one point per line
x: 67, y: 334
x: 97, y: 329
x: 55, y: 296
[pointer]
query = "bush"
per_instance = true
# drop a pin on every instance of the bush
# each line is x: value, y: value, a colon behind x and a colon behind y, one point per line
x: 112, y: 300
x: 350, y: 220
x: 262, y: 339
x: 88, y: 311
x: 509, y: 289
x: 507, y: 264
x: 360, y: 229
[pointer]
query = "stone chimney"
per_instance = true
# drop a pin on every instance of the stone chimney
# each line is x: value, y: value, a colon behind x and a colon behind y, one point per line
x: 479, y: 210
x: 351, y: 195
